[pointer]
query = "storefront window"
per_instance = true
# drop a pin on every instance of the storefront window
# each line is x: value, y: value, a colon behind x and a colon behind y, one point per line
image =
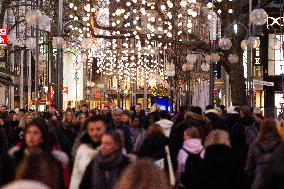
x: 276, y: 60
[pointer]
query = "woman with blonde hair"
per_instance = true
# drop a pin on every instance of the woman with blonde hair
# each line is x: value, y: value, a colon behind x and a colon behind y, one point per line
x: 67, y: 132
x: 143, y: 174
x: 220, y: 167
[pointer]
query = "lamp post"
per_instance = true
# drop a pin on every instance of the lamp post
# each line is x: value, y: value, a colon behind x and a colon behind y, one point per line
x: 187, y: 67
x: 36, y: 20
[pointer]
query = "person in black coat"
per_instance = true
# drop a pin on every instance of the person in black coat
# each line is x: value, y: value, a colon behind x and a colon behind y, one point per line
x: 141, y: 114
x: 220, y: 168
x: 154, y: 144
x: 238, y: 134
x: 273, y: 175
x: 104, y: 171
x: 117, y: 125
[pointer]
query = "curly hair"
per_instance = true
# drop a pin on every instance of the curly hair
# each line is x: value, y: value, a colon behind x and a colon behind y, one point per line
x: 269, y: 125
x: 143, y: 174
x: 217, y: 137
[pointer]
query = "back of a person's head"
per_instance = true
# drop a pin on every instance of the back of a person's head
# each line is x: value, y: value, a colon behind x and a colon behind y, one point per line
x: 209, y: 107
x: 196, y: 109
x: 217, y: 137
x: 193, y: 132
x: 246, y: 111
x: 268, y: 126
x: 164, y: 115
x: 153, y: 129
x: 143, y: 174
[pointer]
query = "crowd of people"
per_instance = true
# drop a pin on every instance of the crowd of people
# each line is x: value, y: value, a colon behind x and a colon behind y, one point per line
x: 217, y: 148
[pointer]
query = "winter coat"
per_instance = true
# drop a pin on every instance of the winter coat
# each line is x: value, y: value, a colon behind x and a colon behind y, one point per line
x: 125, y: 133
x: 84, y: 155
x: 104, y: 172
x: 77, y: 144
x: 203, y: 125
x: 238, y: 138
x: 154, y: 148
x: 66, y: 138
x: 273, y: 175
x: 256, y: 150
x: 219, y: 169
x: 138, y: 137
x: 45, y: 167
x: 193, y: 146
x: 166, y: 125
x: 4, y: 135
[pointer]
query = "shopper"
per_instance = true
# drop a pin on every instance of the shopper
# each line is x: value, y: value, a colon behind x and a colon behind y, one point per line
x: 260, y: 151
x: 88, y: 149
x: 104, y: 171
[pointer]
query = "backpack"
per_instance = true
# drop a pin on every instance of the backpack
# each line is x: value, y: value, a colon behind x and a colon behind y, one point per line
x: 261, y: 162
x: 250, y: 133
x: 191, y: 167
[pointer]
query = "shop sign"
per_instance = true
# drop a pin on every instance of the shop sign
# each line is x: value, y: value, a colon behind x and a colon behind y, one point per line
x: 65, y: 90
x: 3, y: 37
x: 256, y: 57
x: 266, y: 83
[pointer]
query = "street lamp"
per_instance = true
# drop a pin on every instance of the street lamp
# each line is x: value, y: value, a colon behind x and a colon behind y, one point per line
x: 37, y: 21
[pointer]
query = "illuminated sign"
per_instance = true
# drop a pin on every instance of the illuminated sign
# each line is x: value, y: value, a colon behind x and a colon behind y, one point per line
x: 3, y: 37
x: 256, y: 57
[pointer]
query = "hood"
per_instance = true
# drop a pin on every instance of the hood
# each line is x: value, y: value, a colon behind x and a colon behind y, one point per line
x: 269, y: 141
x: 196, y: 117
x: 165, y: 124
x: 193, y: 146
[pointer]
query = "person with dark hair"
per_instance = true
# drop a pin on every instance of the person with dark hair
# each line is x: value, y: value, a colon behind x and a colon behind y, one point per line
x: 117, y: 125
x: 165, y: 123
x: 126, y: 118
x: 209, y: 107
x: 179, y: 117
x: 104, y: 171
x: 196, y: 109
x: 87, y: 149
x: 141, y: 114
x: 154, y: 145
x: 260, y: 151
x: 243, y: 133
x: 34, y: 159
x: 137, y: 133
x: 106, y: 114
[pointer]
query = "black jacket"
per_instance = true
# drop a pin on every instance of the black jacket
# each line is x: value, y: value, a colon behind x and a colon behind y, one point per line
x: 270, y: 143
x: 273, y: 175
x: 238, y: 138
x: 104, y: 172
x: 219, y: 169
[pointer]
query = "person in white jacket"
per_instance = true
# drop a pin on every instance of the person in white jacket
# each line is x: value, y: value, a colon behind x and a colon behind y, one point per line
x: 90, y: 142
x: 165, y: 123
